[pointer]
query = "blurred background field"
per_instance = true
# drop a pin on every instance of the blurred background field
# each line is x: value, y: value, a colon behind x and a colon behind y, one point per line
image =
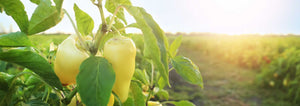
x: 242, y: 70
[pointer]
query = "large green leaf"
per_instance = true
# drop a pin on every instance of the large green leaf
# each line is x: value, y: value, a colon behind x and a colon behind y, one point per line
x: 44, y: 17
x: 34, y: 62
x: 175, y: 45
x: 16, y: 10
x: 95, y: 81
x: 187, y: 70
x: 155, y: 41
x: 85, y: 23
x: 111, y: 6
x: 137, y: 93
x: 16, y: 39
x: 162, y: 40
x: 182, y: 103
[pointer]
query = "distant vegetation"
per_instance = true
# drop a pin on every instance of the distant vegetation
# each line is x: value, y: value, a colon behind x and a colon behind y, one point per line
x: 276, y: 58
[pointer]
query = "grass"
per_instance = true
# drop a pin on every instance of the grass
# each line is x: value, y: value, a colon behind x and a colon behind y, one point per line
x: 225, y: 84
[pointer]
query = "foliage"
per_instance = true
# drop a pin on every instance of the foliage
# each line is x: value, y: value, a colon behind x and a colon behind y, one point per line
x: 283, y: 73
x: 34, y: 82
x: 276, y: 59
x: 252, y: 51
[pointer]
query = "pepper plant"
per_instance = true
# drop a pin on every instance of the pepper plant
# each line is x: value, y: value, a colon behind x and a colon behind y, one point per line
x: 109, y: 67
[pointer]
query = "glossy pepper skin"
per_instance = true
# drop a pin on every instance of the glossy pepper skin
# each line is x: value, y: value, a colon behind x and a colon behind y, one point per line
x: 68, y: 60
x: 120, y: 52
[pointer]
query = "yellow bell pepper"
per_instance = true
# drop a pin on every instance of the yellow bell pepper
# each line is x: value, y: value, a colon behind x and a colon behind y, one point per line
x: 120, y: 52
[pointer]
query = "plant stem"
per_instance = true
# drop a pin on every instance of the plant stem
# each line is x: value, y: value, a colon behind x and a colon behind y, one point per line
x: 171, y: 69
x: 149, y: 95
x: 152, y: 73
x: 151, y: 86
x: 101, y: 32
x: 68, y: 99
x: 113, y: 17
x: 76, y: 30
x: 114, y: 28
x: 116, y: 96
x: 101, y: 12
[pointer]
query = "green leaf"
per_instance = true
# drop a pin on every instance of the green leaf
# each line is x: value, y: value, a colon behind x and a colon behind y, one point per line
x: 111, y: 6
x: 152, y: 33
x: 133, y: 25
x: 161, y: 83
x: 2, y: 66
x: 32, y: 80
x: 16, y: 10
x: 34, y: 62
x: 175, y: 45
x: 95, y: 81
x: 119, y: 25
x: 137, y: 93
x: 141, y: 76
x: 187, y: 70
x: 128, y: 102
x: 44, y: 17
x: 162, y: 94
x: 37, y: 2
x: 182, y: 103
x: 85, y: 23
x: 16, y: 39
x: 5, y: 80
x: 58, y: 4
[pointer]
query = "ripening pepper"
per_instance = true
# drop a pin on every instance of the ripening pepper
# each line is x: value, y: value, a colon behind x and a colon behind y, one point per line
x: 68, y: 59
x: 120, y: 52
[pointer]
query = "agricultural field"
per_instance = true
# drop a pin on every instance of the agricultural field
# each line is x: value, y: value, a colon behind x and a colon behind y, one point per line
x: 242, y: 70
x: 237, y: 70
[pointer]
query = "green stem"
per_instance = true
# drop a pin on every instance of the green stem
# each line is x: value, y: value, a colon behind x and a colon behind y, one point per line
x: 49, y: 91
x: 76, y: 30
x: 114, y: 28
x: 101, y: 12
x: 152, y: 73
x: 151, y: 84
x: 117, y: 97
x: 171, y: 69
x: 101, y: 32
x: 113, y: 17
x: 149, y: 96
x: 68, y: 99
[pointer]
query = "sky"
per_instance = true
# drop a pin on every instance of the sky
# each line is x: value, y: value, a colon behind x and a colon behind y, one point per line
x: 216, y: 16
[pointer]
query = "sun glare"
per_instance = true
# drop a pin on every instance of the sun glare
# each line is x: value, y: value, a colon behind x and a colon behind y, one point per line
x: 241, y: 16
x: 233, y: 5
